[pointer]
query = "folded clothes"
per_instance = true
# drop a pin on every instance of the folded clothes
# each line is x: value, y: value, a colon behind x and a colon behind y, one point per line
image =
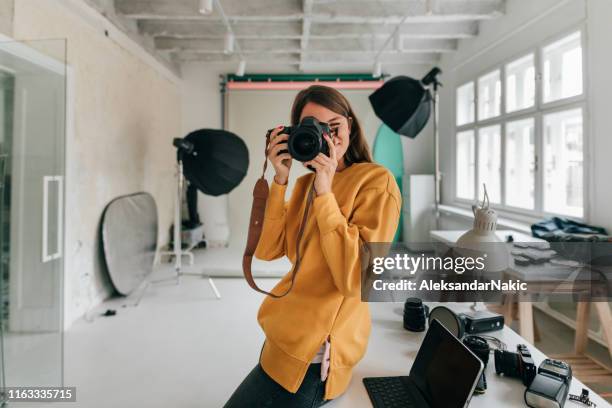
x: 558, y: 229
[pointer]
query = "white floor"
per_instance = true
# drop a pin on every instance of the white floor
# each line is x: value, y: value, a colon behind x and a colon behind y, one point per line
x: 228, y: 262
x: 167, y: 351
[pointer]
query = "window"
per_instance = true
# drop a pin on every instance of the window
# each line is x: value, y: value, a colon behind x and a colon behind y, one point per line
x: 466, y: 164
x: 519, y: 174
x: 562, y: 73
x: 489, y: 96
x: 465, y: 104
x: 520, y: 84
x: 528, y: 151
x: 489, y: 162
x: 563, y: 162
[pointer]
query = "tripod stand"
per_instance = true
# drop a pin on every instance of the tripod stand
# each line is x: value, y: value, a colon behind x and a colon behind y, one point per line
x: 183, y: 147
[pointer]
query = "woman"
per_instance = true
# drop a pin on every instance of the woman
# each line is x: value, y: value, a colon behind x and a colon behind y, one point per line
x: 318, y: 332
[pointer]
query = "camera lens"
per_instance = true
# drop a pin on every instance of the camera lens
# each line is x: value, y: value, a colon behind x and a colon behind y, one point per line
x: 415, y: 315
x: 507, y: 363
x: 305, y: 145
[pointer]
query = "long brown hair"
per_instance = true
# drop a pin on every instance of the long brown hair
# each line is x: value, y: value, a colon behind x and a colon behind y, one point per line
x: 358, y: 150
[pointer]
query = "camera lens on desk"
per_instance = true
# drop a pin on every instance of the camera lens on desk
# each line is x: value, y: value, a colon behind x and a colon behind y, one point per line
x: 415, y: 315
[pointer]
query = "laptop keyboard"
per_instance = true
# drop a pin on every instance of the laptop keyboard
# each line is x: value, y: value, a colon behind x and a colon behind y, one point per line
x: 389, y: 392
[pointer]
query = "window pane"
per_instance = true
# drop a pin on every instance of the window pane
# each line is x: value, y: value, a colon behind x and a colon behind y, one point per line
x: 563, y: 161
x: 466, y: 164
x: 520, y: 164
x: 465, y: 104
x: 520, y: 84
x: 563, y: 68
x: 489, y: 95
x: 489, y: 162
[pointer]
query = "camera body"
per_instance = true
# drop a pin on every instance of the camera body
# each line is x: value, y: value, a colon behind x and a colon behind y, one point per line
x: 479, y: 346
x: 516, y: 365
x: 306, y: 140
x: 550, y: 386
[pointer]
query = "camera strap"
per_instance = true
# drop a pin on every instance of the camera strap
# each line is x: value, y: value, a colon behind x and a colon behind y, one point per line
x: 258, y: 209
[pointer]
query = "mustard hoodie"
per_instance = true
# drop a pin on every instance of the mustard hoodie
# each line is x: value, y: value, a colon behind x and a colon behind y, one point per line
x: 325, y: 302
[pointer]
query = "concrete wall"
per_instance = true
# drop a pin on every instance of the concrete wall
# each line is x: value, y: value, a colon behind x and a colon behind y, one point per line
x: 525, y: 25
x: 125, y: 114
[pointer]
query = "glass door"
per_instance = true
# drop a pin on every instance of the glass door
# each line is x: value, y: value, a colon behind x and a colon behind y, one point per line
x: 32, y: 139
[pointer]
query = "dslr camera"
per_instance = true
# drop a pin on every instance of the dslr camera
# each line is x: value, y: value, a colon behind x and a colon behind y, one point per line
x: 516, y: 365
x: 306, y: 140
x: 550, y: 386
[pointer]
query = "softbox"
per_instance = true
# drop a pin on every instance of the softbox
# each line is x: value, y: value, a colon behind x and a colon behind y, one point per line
x: 403, y: 104
x: 218, y: 163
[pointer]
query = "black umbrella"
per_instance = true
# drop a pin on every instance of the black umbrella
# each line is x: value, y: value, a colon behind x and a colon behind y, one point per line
x: 403, y: 104
x: 214, y: 160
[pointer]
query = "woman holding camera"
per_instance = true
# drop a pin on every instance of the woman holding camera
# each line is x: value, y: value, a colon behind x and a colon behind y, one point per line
x: 318, y: 332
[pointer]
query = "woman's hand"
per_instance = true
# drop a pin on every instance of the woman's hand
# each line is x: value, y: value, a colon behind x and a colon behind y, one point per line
x: 325, y: 168
x: 281, y: 162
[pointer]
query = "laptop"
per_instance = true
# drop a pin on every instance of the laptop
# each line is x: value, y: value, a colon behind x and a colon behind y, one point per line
x: 443, y: 375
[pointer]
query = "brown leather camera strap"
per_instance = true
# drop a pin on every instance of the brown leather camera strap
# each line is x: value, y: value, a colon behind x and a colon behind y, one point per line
x: 258, y: 209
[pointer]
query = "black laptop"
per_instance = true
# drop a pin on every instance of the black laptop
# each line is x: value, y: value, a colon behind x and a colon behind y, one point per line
x: 443, y: 375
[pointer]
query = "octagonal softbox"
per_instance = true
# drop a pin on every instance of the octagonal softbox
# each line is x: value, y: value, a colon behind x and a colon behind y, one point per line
x: 218, y: 163
x: 403, y: 105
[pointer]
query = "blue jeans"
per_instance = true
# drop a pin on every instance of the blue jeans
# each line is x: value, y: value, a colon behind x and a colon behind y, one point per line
x: 258, y: 390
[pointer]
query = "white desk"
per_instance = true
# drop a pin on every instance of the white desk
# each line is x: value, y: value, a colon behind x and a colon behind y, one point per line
x: 450, y: 237
x: 392, y: 350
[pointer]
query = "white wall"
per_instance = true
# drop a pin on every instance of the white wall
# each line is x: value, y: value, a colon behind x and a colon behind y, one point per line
x: 524, y: 25
x: 126, y: 113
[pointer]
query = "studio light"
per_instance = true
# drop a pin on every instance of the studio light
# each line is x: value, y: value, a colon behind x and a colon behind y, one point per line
x: 206, y: 6
x: 377, y: 71
x: 241, y: 68
x: 228, y: 47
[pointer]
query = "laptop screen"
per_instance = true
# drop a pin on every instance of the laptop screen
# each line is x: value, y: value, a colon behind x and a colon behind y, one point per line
x: 444, y: 370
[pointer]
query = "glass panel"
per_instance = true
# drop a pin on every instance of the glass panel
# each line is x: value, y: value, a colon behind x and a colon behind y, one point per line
x: 465, y: 104
x: 520, y: 84
x: 489, y: 95
x: 32, y: 127
x: 562, y: 70
x: 489, y: 162
x: 466, y: 164
x: 520, y: 164
x: 563, y: 163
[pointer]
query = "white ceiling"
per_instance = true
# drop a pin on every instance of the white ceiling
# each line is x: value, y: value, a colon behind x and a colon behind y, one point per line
x: 307, y: 35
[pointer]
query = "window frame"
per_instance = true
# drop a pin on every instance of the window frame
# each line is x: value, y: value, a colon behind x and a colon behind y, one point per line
x: 537, y: 112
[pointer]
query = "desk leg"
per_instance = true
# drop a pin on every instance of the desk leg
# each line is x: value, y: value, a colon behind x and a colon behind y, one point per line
x: 582, y: 327
x: 508, y: 307
x: 526, y: 320
x: 605, y: 320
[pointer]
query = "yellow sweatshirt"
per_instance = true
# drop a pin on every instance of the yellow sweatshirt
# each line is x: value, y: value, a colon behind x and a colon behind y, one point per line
x: 325, y: 302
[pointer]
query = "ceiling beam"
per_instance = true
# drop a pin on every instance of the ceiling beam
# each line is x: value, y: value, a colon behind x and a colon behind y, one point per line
x: 341, y: 12
x: 293, y: 30
x: 316, y: 45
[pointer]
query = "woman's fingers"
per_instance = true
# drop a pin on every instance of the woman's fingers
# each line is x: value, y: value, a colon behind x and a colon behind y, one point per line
x: 273, y: 151
x: 283, y: 156
x: 332, y: 148
x: 275, y: 140
x: 314, y: 164
x: 325, y: 159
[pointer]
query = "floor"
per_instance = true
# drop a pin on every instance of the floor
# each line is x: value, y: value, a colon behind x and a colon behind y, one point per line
x: 163, y: 352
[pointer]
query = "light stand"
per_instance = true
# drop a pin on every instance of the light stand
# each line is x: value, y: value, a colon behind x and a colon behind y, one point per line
x: 183, y: 147
x: 431, y: 80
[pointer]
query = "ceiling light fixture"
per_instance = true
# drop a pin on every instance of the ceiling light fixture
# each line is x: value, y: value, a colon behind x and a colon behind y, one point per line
x: 206, y: 6
x: 228, y: 47
x: 241, y: 68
